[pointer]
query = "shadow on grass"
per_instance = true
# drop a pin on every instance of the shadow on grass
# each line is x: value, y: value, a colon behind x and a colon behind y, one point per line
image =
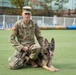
x: 59, y: 66
x: 30, y: 67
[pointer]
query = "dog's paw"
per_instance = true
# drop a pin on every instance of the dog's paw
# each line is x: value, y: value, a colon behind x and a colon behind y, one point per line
x: 52, y: 70
x: 56, y: 70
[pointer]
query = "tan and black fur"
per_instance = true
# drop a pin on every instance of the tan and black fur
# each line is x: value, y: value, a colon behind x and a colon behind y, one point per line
x: 45, y: 59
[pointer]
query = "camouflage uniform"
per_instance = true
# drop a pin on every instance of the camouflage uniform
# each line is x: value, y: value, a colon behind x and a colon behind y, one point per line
x: 24, y: 37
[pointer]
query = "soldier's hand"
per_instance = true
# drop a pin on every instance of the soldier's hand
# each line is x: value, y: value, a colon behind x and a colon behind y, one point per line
x: 25, y: 48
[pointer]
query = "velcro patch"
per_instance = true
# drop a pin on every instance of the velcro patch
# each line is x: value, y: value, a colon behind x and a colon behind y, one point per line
x: 13, y: 28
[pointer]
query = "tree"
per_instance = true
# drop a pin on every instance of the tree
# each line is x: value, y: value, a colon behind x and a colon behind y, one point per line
x: 47, y: 6
x: 60, y: 3
x: 34, y: 2
x: 19, y: 3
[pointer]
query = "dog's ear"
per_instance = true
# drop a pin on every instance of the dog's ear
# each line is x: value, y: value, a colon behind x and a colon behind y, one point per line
x: 52, y: 44
x: 46, y: 42
x: 52, y: 41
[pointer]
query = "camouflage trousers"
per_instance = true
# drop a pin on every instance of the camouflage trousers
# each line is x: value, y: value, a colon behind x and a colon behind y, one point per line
x: 18, y: 59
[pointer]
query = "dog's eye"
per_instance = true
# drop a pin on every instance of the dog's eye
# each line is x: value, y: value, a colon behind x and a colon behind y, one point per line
x: 45, y: 53
x: 48, y: 45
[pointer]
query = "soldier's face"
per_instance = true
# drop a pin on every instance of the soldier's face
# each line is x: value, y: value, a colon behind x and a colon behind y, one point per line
x: 26, y: 16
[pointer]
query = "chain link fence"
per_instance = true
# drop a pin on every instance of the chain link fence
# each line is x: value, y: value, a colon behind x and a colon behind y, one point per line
x: 7, y: 21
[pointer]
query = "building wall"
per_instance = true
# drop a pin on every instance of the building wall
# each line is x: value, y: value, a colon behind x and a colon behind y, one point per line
x: 5, y: 3
x: 7, y: 8
x: 70, y: 5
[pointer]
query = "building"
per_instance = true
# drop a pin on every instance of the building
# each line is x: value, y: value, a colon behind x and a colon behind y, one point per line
x: 7, y: 8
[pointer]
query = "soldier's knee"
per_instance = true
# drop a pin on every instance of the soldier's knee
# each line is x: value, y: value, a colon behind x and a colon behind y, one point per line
x: 15, y: 63
x: 14, y: 66
x: 34, y: 51
x: 35, y: 48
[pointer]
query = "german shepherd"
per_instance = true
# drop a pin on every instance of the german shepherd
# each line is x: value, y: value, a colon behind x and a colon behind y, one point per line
x: 45, y: 58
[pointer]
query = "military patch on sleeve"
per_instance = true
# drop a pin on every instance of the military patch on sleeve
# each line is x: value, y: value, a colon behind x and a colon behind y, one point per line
x: 13, y: 28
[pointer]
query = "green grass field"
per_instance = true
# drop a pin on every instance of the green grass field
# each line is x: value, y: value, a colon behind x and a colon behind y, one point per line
x: 64, y: 55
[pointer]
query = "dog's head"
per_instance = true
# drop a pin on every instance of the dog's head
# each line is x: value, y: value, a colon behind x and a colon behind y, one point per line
x: 48, y: 49
x: 50, y: 45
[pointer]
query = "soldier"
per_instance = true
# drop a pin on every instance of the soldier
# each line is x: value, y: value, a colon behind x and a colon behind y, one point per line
x: 22, y: 39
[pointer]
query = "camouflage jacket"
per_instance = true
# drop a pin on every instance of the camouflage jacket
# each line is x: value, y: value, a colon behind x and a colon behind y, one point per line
x: 23, y: 35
